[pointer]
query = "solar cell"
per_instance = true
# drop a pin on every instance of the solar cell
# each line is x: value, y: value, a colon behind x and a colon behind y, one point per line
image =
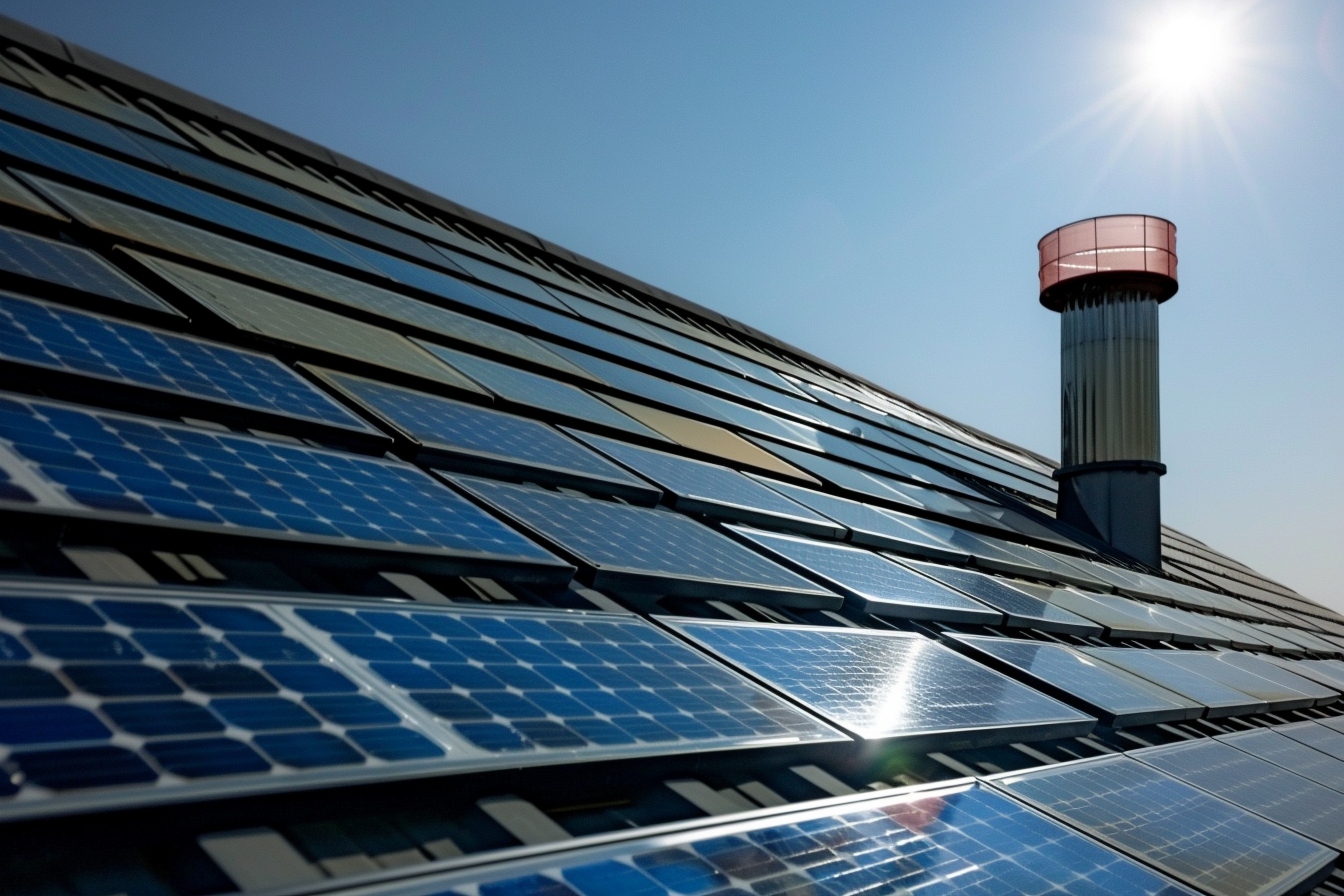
x: 539, y: 392
x: 140, y: 723
x: 538, y: 684
x: 1222, y: 700
x: 964, y: 839
x: 1305, y: 748
x: 1118, y: 698
x: 888, y: 684
x: 1255, y: 784
x: 21, y: 104
x: 59, y: 340
x: 17, y: 195
x: 872, y: 583
x: 275, y: 317
x: 642, y: 550
x: 137, y: 470
x: 1191, y: 835
x: 871, y: 526
x: 698, y: 487
x: 456, y: 436
x: 1019, y: 608
x: 38, y: 258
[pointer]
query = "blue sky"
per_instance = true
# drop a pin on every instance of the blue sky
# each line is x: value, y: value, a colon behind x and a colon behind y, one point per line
x: 868, y: 181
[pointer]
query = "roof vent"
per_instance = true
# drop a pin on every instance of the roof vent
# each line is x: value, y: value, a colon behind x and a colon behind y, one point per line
x: 1106, y: 277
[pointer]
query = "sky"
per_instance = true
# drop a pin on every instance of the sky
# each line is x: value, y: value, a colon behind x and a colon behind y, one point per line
x: 868, y: 182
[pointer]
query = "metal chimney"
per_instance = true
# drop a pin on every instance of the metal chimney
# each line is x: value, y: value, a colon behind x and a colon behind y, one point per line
x: 1106, y: 277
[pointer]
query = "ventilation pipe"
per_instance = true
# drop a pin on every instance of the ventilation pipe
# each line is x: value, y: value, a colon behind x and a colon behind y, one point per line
x: 1106, y: 277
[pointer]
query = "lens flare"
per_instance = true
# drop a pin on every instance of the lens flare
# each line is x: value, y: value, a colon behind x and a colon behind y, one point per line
x: 1186, y: 52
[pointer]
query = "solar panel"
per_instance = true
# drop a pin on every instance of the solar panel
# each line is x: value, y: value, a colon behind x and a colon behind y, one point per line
x: 137, y: 470
x: 1305, y: 748
x: 429, y: 280
x: 275, y: 317
x: 1280, y: 676
x: 55, y: 340
x: 1019, y: 608
x: 887, y: 684
x: 539, y: 392
x: 873, y: 584
x: 535, y: 683
x: 17, y: 195
x: 38, y: 258
x: 1218, y: 848
x: 1255, y: 784
x: 500, y: 277
x: 51, y: 115
x: 642, y: 550
x: 869, y: 525
x: 1277, y: 696
x: 698, y: 487
x: 1120, y: 618
x: 452, y: 435
x: 1117, y: 698
x: 1222, y: 700
x: 964, y: 839
x: 1325, y: 672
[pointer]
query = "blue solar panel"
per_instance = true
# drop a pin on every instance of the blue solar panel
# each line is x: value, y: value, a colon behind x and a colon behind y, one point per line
x: 1209, y: 843
x: 145, y: 471
x: 888, y: 684
x: 1276, y: 696
x: 643, y: 550
x: 1311, y: 750
x: 145, y: 715
x: 1264, y: 788
x: 1320, y: 694
x: 66, y: 120
x: 1222, y: 700
x: 1118, y: 698
x: 712, y: 490
x: 541, y: 683
x: 39, y: 258
x: 536, y: 391
x: 872, y: 526
x: 872, y: 583
x: 964, y: 839
x: 420, y: 277
x: 132, y: 181
x: 500, y: 277
x: 59, y: 339
x: 456, y: 436
x: 1019, y: 608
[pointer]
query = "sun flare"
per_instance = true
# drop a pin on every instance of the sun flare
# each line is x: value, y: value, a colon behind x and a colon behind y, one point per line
x: 1186, y: 53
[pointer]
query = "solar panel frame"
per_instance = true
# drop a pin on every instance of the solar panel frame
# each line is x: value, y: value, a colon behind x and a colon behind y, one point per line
x: 753, y: 577
x: 551, y: 457
x: 799, y: 554
x: 1117, y: 698
x: 133, y: 368
x: 166, y: 478
x: 1222, y: 700
x: 905, y: 657
x: 1020, y: 610
x: 1154, y: 804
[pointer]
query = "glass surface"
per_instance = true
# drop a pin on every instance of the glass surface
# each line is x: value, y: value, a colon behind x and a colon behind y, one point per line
x: 1211, y: 665
x: 1280, y: 676
x: 1304, y: 748
x: 1118, y: 698
x: 21, y: 104
x: 872, y: 583
x: 1191, y: 835
x: 39, y: 258
x: 1221, y: 699
x: 1018, y: 607
x: 884, y: 684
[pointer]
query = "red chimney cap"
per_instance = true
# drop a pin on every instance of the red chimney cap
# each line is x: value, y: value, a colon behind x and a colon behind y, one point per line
x: 1112, y: 247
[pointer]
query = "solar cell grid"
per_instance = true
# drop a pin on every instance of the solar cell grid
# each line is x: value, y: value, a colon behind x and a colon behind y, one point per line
x: 641, y: 550
x: 1118, y: 698
x: 874, y: 584
x: 39, y: 258
x: 144, y: 471
x: 39, y: 334
x: 1018, y: 607
x: 1191, y: 835
x: 964, y: 839
x: 453, y: 435
x: 1255, y: 784
x: 699, y: 487
x: 888, y: 684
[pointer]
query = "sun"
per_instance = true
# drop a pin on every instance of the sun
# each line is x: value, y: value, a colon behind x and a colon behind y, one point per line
x: 1186, y: 52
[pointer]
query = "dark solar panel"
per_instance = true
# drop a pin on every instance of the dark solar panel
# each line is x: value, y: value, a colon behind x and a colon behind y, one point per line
x: 54, y: 338
x: 15, y: 194
x: 1280, y: 676
x: 1209, y: 843
x: 418, y: 276
x: 888, y: 684
x: 141, y: 470
x: 542, y: 393
x: 964, y: 839
x: 1221, y: 699
x: 872, y: 583
x: 526, y: 682
x: 1018, y: 607
x: 1262, y: 787
x: 716, y: 491
x: 500, y: 277
x: 456, y: 436
x: 38, y: 258
x: 1304, y: 748
x: 1118, y: 698
x: 21, y: 104
x: 638, y: 549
